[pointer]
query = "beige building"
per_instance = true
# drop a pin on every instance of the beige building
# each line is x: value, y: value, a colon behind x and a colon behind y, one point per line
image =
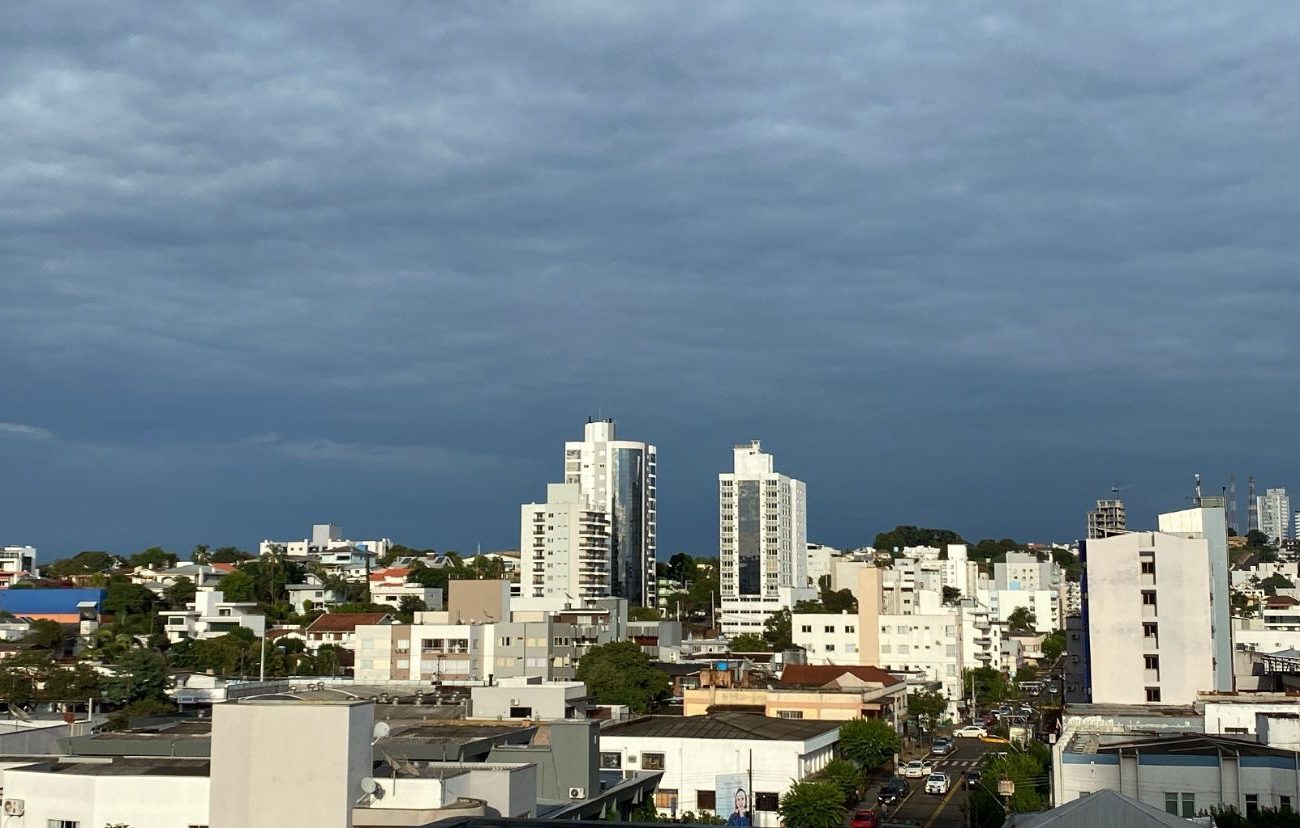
x: 818, y: 693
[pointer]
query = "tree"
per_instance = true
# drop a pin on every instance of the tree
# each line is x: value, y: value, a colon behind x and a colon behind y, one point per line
x: 845, y: 776
x: 1257, y: 538
x: 1054, y: 645
x: 1274, y: 582
x: 153, y: 557
x: 990, y: 684
x: 748, y: 643
x: 681, y: 568
x: 812, y: 804
x: 1022, y: 619
x: 408, y: 607
x: 779, y: 630
x: 869, y: 742
x: 903, y: 536
x: 83, y: 563
x: 1030, y: 773
x: 1069, y: 563
x: 832, y: 602
x: 46, y: 635
x: 141, y: 676
x: 180, y: 593
x: 126, y: 601
x: 951, y: 595
x: 427, y: 576
x: 620, y: 673
x: 71, y: 683
x: 644, y: 614
x: 229, y: 555
x: 927, y: 703
x: 238, y: 586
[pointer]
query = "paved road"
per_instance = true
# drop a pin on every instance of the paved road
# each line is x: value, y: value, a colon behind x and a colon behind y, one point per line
x: 932, y: 810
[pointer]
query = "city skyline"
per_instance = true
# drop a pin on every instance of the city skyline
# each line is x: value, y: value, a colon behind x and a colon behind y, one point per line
x: 266, y: 267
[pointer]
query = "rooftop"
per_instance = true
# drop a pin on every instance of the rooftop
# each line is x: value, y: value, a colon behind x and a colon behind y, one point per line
x: 1105, y: 807
x: 346, y: 621
x: 737, y: 726
x: 131, y: 766
x: 833, y: 677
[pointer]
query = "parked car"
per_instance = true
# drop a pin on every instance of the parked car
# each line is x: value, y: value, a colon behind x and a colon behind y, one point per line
x: 917, y: 769
x: 971, y: 778
x: 970, y: 732
x: 941, y: 747
x: 865, y: 818
x: 894, y: 791
x: 937, y: 783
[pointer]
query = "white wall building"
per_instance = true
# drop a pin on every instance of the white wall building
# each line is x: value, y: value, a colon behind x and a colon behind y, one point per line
x: 564, y: 547
x: 620, y: 478
x: 706, y: 759
x: 1209, y: 522
x: 762, y: 537
x: 1148, y: 619
x: 17, y: 561
x: 324, y: 537
x: 528, y: 697
x: 827, y: 638
x: 1275, y: 515
x: 210, y: 615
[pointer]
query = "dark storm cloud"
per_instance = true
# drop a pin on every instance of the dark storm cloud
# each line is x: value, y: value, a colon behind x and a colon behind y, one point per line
x: 955, y: 266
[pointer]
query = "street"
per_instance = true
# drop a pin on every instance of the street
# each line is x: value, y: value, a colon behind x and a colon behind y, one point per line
x: 933, y: 811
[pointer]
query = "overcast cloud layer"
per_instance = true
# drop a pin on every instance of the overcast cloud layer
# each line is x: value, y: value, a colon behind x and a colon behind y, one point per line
x: 955, y: 266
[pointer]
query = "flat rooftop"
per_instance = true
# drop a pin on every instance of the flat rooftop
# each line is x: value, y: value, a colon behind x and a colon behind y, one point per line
x: 737, y: 726
x: 132, y: 766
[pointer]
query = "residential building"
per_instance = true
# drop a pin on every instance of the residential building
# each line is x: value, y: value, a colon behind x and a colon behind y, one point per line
x: 620, y: 478
x: 530, y: 698
x: 1107, y: 519
x: 820, y: 558
x: 762, y: 540
x: 16, y: 563
x: 822, y: 693
x: 564, y: 547
x: 1208, y: 521
x: 1044, y: 604
x: 827, y: 638
x: 312, y: 595
x: 389, y: 586
x: 1104, y: 807
x: 210, y: 615
x: 324, y: 538
x: 712, y: 763
x: 1275, y: 515
x: 340, y: 628
x: 64, y: 605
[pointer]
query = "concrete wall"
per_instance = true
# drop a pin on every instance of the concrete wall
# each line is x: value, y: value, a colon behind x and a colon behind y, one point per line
x: 482, y: 601
x: 288, y: 763
x: 94, y: 801
x: 1211, y: 782
x: 21, y: 740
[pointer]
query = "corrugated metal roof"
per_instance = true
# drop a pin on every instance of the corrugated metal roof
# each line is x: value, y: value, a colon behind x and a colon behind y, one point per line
x: 742, y: 726
x: 48, y: 601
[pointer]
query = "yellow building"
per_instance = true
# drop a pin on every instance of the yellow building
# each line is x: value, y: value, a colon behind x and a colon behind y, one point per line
x: 816, y: 692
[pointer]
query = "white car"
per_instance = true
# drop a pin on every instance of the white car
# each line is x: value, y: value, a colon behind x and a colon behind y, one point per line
x: 970, y: 732
x: 917, y: 769
x: 937, y: 783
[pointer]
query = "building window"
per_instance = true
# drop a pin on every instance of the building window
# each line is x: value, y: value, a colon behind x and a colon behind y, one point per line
x: 1153, y: 694
x: 1151, y: 630
x: 850, y: 629
x: 1180, y: 804
x: 1284, y: 802
x: 652, y: 761
x: 706, y: 800
x: 1152, y: 662
x: 666, y: 798
x: 1149, y: 597
x: 1148, y: 567
x: 611, y: 761
x: 828, y: 628
x: 1252, y: 806
x: 789, y: 714
x: 830, y: 648
x: 766, y: 801
x: 806, y: 628
x: 62, y: 823
x: 1240, y: 731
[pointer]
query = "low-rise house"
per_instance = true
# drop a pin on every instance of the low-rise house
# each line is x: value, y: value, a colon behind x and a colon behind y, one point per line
x: 312, y: 595
x: 813, y: 692
x: 210, y: 615
x: 16, y: 563
x: 62, y: 604
x: 528, y: 697
x: 707, y: 762
x: 340, y: 628
x: 389, y: 587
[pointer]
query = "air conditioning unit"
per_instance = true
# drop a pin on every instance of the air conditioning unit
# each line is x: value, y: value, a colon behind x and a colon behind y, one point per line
x: 15, y: 807
x: 574, y: 793
x: 514, y: 702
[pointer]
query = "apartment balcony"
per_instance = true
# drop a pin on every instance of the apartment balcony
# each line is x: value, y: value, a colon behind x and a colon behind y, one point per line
x: 1147, y: 579
x: 1149, y: 611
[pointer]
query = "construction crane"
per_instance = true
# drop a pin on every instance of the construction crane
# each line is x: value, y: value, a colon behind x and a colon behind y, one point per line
x: 1115, y: 490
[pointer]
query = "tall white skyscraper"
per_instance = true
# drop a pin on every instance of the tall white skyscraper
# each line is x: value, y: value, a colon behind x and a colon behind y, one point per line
x: 762, y: 540
x: 1275, y: 514
x: 618, y: 477
x: 564, y: 548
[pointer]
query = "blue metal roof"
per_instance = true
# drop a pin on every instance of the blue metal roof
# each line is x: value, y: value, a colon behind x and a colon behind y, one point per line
x: 47, y: 601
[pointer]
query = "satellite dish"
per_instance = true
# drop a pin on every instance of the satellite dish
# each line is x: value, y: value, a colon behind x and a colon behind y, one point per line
x: 380, y: 731
x: 369, y: 785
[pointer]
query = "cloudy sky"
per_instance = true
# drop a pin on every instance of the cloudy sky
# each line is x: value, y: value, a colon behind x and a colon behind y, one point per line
x: 955, y: 267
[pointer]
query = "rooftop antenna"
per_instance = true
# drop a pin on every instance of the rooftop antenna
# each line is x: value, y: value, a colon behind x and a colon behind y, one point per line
x: 1252, y: 505
x: 1232, y: 503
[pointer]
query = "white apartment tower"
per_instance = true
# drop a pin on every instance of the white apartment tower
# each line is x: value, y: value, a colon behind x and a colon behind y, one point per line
x: 1154, y: 612
x: 618, y: 477
x: 1275, y: 514
x: 762, y: 538
x: 564, y: 547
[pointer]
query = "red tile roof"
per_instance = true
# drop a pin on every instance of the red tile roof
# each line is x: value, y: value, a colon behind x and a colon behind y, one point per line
x: 347, y: 621
x: 224, y: 567
x: 820, y: 675
x: 1280, y: 601
x: 391, y: 572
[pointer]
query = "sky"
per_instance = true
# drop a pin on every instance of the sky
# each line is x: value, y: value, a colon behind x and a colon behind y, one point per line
x: 955, y: 265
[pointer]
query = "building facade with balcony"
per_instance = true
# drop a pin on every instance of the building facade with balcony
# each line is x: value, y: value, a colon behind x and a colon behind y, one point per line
x: 210, y: 615
x: 564, y: 547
